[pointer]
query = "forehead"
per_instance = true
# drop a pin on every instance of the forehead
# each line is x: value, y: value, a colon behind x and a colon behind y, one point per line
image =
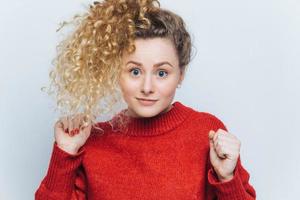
x: 155, y: 49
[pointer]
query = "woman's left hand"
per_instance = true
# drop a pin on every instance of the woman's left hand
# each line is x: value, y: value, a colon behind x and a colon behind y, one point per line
x: 224, y: 153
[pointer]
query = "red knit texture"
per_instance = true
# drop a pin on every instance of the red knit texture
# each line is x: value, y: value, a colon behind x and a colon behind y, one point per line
x: 159, y: 158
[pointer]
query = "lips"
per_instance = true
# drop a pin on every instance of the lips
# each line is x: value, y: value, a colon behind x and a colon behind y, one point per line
x: 146, y: 99
x: 146, y: 102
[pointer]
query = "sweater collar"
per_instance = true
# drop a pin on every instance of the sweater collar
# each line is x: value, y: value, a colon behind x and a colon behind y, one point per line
x: 156, y: 125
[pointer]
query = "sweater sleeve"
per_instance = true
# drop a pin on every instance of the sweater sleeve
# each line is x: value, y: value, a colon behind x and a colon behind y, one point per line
x: 65, y: 178
x: 238, y: 188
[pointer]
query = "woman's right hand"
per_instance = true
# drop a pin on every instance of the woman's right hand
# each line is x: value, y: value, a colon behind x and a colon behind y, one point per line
x: 71, y: 134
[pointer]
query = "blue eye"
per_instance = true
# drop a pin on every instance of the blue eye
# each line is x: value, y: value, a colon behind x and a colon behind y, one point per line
x: 161, y: 73
x: 135, y: 71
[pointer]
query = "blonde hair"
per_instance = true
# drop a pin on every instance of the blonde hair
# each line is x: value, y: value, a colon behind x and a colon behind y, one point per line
x: 88, y: 62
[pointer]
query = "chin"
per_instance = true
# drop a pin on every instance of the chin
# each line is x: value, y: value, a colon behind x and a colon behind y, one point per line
x: 146, y: 113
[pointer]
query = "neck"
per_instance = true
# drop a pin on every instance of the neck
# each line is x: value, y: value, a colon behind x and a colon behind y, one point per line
x: 149, y: 126
x: 129, y: 113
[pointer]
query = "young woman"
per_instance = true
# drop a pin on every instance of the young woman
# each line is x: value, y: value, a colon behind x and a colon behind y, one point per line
x: 154, y: 149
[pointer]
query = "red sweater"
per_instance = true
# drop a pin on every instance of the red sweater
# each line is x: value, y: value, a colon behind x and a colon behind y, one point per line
x: 161, y: 158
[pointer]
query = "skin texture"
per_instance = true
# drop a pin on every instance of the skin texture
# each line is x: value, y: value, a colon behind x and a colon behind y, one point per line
x: 151, y: 72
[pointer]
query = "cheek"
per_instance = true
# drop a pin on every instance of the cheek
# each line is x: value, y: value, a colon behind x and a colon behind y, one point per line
x: 122, y: 84
x: 167, y: 88
x: 127, y: 86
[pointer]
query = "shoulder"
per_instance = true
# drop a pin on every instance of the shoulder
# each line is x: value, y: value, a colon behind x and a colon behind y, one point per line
x: 100, y: 127
x: 208, y: 120
x: 98, y: 130
x: 202, y: 119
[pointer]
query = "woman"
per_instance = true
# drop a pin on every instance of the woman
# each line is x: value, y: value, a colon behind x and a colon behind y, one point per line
x: 154, y: 149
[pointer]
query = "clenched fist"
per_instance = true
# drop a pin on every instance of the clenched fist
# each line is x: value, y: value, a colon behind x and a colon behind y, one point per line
x: 71, y: 134
x: 224, y: 153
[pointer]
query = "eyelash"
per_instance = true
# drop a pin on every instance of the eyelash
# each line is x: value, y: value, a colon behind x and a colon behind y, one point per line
x: 139, y: 69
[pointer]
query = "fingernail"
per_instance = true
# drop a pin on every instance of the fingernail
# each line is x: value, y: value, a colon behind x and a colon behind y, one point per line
x: 66, y: 130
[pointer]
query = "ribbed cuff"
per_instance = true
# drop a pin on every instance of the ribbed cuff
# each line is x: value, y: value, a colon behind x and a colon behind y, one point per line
x: 229, y: 190
x: 62, y: 169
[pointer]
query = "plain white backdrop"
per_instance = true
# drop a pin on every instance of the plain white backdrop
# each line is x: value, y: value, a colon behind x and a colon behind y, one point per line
x: 246, y: 71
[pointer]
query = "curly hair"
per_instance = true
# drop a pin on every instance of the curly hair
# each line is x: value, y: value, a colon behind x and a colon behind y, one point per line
x: 88, y: 62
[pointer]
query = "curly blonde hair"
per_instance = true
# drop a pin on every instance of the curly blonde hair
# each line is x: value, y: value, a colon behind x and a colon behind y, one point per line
x: 88, y: 62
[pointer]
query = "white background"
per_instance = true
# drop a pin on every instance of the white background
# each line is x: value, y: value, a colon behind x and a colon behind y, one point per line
x: 245, y: 71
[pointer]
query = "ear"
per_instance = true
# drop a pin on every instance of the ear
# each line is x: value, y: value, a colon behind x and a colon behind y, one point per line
x: 182, y: 74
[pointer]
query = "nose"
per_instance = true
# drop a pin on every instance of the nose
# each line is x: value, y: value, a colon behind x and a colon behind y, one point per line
x: 147, y: 85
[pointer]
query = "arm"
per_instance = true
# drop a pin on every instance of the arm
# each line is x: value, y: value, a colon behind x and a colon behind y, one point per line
x: 238, y: 187
x: 65, y: 178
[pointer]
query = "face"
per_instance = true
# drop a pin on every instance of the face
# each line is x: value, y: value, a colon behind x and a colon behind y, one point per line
x: 151, y: 73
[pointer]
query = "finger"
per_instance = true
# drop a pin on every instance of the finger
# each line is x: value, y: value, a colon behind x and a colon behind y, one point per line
x: 58, y: 125
x: 76, y: 123
x: 70, y: 125
x: 226, y: 152
x: 220, y: 134
x: 87, y: 122
x: 215, y: 138
x: 226, y: 147
x: 218, y: 145
x: 211, y: 134
x: 81, y: 120
x: 227, y: 134
x: 221, y: 151
x: 231, y: 149
x: 227, y: 140
x: 65, y: 124
x: 212, y: 151
x: 223, y: 133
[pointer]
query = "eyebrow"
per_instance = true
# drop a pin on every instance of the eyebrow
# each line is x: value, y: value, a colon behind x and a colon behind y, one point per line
x: 156, y: 65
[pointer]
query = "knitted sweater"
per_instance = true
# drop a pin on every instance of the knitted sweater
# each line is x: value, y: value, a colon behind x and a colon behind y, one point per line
x: 165, y: 157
